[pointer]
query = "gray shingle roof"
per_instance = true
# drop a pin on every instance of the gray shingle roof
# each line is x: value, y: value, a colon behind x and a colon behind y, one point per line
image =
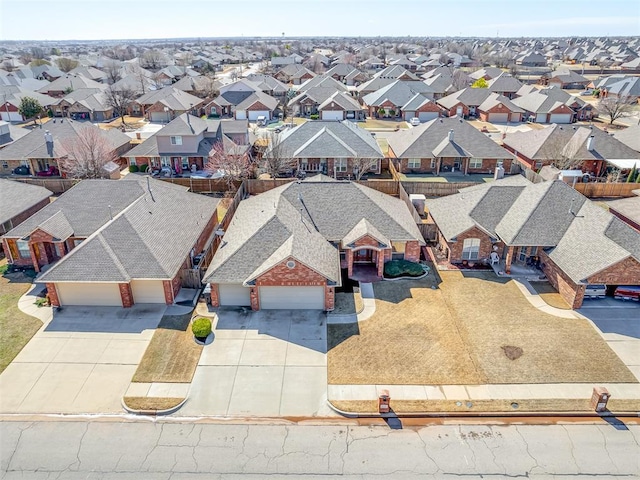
x: 300, y: 220
x: 149, y: 238
x: 17, y: 197
x: 630, y: 136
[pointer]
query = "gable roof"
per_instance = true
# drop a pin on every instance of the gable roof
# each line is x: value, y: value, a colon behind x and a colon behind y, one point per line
x: 17, y: 197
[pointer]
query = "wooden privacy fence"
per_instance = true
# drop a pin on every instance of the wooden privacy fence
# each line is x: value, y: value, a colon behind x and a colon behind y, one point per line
x: 594, y: 190
x: 200, y: 185
x: 435, y: 189
x: 55, y: 185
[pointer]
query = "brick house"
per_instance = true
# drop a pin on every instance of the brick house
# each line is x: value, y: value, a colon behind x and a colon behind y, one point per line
x: 390, y: 100
x: 553, y: 105
x: 341, y: 106
x: 18, y: 201
x: 308, y: 236
x: 12, y: 96
x: 567, y: 147
x: 483, y: 103
x: 574, y: 241
x: 166, y: 104
x: 334, y: 148
x: 294, y: 73
x: 446, y: 144
x: 187, y: 141
x: 115, y: 243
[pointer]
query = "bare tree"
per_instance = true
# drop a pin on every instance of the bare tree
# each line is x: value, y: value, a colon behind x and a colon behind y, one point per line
x: 112, y: 69
x: 186, y: 60
x: 142, y: 78
x: 66, y: 64
x: 209, y: 87
x: 615, y: 107
x: 231, y: 161
x: 87, y: 154
x: 459, y: 80
x: 559, y: 151
x: 278, y: 158
x: 362, y: 166
x: 156, y: 81
x: 119, y: 99
x: 152, y: 59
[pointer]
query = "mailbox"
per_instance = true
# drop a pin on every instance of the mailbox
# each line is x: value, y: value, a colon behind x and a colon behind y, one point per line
x: 599, y: 399
x: 383, y: 401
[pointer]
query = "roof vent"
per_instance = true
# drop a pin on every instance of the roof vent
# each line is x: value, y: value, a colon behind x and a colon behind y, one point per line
x: 590, y: 145
x: 451, y: 135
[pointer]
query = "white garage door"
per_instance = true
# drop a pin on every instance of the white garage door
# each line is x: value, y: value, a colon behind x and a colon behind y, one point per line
x: 541, y: 118
x: 234, y: 295
x: 11, y: 116
x: 560, y: 118
x: 254, y: 114
x: 147, y: 291
x: 426, y: 116
x: 294, y: 298
x: 159, y: 117
x: 332, y: 114
x: 241, y: 114
x: 106, y: 294
x: 499, y: 117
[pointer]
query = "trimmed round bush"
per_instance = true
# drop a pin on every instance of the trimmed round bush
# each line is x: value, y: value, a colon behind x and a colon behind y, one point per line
x: 144, y: 167
x: 133, y: 168
x: 402, y: 268
x: 201, y: 327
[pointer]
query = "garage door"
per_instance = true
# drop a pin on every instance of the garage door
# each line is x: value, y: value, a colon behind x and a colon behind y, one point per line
x: 106, y: 294
x: 541, y: 118
x: 159, y: 117
x: 234, y: 295
x: 254, y: 114
x: 241, y: 114
x: 11, y: 116
x: 147, y: 291
x: 294, y: 298
x: 560, y: 118
x: 332, y: 115
x: 499, y: 117
x: 426, y: 116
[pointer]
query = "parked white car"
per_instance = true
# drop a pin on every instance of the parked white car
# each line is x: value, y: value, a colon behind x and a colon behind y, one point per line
x: 415, y: 121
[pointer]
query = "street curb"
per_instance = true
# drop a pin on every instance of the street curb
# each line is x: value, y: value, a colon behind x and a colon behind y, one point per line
x: 167, y: 411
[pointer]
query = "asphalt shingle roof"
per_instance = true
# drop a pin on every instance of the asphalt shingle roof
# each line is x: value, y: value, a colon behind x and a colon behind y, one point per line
x: 17, y: 197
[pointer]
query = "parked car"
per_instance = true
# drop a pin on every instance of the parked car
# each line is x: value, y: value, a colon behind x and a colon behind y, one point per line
x: 22, y: 170
x: 52, y: 171
x: 627, y: 292
x: 595, y: 291
x: 415, y: 121
x: 586, y: 93
x: 261, y: 121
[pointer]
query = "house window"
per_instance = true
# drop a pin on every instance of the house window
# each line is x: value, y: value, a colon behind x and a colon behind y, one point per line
x: 456, y: 163
x: 23, y: 249
x: 433, y: 163
x: 414, y: 163
x: 165, y: 161
x: 185, y: 163
x: 132, y: 160
x: 77, y: 241
x: 59, y: 250
x: 5, y: 165
x: 470, y: 249
x: 522, y: 255
x: 475, y: 163
x: 177, y: 140
x: 341, y: 165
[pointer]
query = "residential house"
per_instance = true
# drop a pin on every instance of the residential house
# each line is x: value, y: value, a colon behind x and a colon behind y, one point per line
x: 10, y: 133
x: 488, y: 73
x: 482, y: 103
x: 166, y: 104
x: 569, y: 79
x: 553, y: 105
x: 185, y: 144
x: 347, y: 74
x: 341, y: 106
x: 589, y: 149
x: 627, y: 210
x: 574, y: 241
x: 68, y: 83
x: 531, y: 59
x: 505, y: 84
x: 116, y: 243
x: 277, y: 62
x: 43, y: 147
x: 445, y: 145
x: 294, y: 73
x: 314, y: 93
x: 627, y: 89
x: 334, y: 148
x: 12, y: 96
x: 243, y: 100
x: 269, y: 85
x: 390, y: 101
x: 84, y: 104
x: 18, y: 201
x: 630, y: 136
x: 200, y: 86
x: 90, y: 72
x: 307, y: 237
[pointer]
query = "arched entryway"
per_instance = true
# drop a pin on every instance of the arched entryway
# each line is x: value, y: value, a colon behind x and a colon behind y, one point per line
x: 366, y: 263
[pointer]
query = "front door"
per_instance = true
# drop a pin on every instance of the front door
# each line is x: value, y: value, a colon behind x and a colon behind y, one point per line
x: 363, y: 256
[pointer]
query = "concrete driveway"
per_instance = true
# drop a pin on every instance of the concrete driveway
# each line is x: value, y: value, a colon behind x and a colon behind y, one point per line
x: 618, y: 322
x: 80, y: 362
x: 267, y: 363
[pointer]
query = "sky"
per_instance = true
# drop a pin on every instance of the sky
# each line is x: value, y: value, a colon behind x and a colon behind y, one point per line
x: 135, y: 19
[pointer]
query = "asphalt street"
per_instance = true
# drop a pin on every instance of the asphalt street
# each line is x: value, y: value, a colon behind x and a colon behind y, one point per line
x: 117, y: 449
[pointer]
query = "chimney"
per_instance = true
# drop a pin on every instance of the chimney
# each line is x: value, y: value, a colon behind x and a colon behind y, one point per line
x: 48, y: 138
x: 451, y: 135
x: 590, y: 145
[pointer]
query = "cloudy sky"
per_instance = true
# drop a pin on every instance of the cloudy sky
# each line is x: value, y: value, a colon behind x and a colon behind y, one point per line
x: 117, y: 19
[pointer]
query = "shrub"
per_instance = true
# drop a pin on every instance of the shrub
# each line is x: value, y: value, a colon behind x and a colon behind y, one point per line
x: 392, y: 113
x: 144, y: 167
x: 315, y: 116
x: 402, y: 268
x: 201, y: 327
x: 41, y: 302
x: 133, y: 168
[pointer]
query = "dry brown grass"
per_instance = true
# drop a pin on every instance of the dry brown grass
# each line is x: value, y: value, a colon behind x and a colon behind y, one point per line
x: 550, y: 295
x: 151, y: 403
x: 489, y: 406
x: 172, y: 354
x: 454, y: 336
x: 375, y: 123
x: 16, y: 328
x: 130, y: 123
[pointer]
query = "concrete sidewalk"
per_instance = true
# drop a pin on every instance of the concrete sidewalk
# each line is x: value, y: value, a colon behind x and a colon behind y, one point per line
x: 369, y: 302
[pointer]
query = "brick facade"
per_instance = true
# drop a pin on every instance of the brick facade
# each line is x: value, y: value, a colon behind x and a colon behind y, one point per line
x: 412, y: 251
x: 626, y: 272
x: 329, y: 298
x: 281, y: 275
x: 215, y: 295
x: 572, y: 293
x: 126, y: 294
x: 52, y: 294
x: 171, y: 289
x: 455, y: 248
x: 428, y: 165
x: 254, y: 296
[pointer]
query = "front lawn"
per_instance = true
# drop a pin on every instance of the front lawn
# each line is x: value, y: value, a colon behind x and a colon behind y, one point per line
x: 474, y: 328
x: 16, y: 328
x: 172, y: 354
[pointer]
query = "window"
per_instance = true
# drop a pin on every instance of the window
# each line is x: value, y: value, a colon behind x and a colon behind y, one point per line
x: 522, y: 255
x: 23, y: 249
x: 5, y: 165
x: 341, y: 165
x: 132, y: 160
x: 457, y: 162
x: 433, y: 163
x: 59, y: 250
x: 470, y: 249
x: 177, y: 140
x: 165, y: 161
x: 414, y: 163
x: 475, y: 163
x: 77, y: 241
x: 185, y: 163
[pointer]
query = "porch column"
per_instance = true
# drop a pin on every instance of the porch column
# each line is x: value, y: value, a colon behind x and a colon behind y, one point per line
x: 255, y: 298
x: 329, y: 298
x: 34, y: 257
x: 508, y: 260
x: 438, y: 165
x: 349, y: 262
x: 380, y: 262
x: 52, y: 294
x: 126, y: 295
x: 466, y: 165
x: 215, y: 295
